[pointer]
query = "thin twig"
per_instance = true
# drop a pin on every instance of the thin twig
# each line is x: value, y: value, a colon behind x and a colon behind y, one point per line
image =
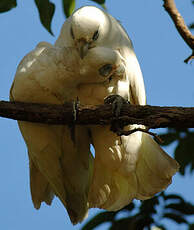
x: 182, y: 28
x: 189, y: 58
x: 121, y: 132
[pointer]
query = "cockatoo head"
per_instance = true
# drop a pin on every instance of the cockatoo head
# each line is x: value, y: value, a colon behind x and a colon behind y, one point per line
x: 100, y: 65
x: 85, y: 29
x: 88, y: 28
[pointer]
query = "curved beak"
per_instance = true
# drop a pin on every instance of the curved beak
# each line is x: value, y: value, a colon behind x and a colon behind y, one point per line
x: 83, y: 47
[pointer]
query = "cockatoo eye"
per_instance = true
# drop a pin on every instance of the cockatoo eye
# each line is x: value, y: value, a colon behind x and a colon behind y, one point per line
x: 72, y: 34
x: 105, y: 70
x: 95, y: 35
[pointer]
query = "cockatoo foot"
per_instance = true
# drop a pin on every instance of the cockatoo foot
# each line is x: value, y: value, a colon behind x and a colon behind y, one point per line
x: 117, y: 103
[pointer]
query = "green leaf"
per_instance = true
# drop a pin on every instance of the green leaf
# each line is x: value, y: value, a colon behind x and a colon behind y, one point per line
x: 143, y: 221
x: 68, y: 7
x: 191, y: 226
x: 101, y: 218
x: 173, y: 197
x: 123, y: 224
x: 184, y: 153
x: 104, y: 6
x: 133, y: 223
x: 168, y: 138
x: 101, y: 2
x: 160, y: 227
x: 148, y: 206
x: 177, y: 218
x: 183, y: 207
x: 191, y: 26
x: 46, y: 11
x: 129, y: 207
x: 6, y: 5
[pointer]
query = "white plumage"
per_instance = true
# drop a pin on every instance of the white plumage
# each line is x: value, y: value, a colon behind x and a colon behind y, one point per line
x: 127, y: 167
x: 58, y: 166
x: 92, y: 58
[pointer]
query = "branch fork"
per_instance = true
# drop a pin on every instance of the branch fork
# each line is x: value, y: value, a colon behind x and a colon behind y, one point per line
x: 181, y: 27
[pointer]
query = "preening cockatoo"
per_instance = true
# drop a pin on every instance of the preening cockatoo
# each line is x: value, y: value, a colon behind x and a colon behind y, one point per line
x: 125, y: 167
x: 59, y: 165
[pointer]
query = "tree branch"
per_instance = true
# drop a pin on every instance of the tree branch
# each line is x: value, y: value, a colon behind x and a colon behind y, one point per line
x: 150, y: 116
x: 183, y: 30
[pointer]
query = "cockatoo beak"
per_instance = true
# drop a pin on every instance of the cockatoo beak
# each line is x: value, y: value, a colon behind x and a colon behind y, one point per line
x: 83, y: 47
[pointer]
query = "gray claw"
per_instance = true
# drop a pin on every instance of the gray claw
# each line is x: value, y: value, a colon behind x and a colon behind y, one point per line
x: 117, y: 102
x: 72, y: 125
x: 75, y: 107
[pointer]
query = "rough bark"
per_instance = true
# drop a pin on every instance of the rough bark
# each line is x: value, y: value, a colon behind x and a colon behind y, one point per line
x: 151, y: 116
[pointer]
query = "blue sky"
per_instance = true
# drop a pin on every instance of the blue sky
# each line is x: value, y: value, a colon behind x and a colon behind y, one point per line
x: 168, y: 81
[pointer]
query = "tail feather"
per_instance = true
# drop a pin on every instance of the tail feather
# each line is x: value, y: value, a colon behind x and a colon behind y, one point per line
x: 77, y: 165
x: 126, y: 190
x: 41, y: 190
x: 154, y: 169
x: 110, y: 189
x: 66, y: 166
x: 113, y: 188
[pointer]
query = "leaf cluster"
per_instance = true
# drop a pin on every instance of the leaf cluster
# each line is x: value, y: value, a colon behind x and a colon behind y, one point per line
x: 46, y: 9
x: 147, y: 214
x: 185, y: 144
x: 154, y: 211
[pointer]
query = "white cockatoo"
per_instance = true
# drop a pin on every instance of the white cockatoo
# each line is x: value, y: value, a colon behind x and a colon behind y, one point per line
x: 93, y: 58
x: 125, y: 167
x: 59, y: 165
